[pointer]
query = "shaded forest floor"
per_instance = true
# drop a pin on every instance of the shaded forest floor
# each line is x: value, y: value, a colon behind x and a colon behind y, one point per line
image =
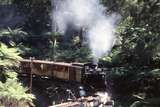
x: 49, y: 91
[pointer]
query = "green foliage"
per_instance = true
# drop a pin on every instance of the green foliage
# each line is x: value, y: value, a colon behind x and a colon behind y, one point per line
x: 12, y: 93
x: 12, y: 32
x: 152, y: 102
x: 138, y: 33
x: 6, y: 2
x: 139, y: 30
x: 77, y: 55
x: 12, y: 37
x: 12, y: 89
x: 135, y: 87
x: 8, y: 56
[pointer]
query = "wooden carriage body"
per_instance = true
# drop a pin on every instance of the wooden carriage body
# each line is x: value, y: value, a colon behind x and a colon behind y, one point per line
x: 60, y: 70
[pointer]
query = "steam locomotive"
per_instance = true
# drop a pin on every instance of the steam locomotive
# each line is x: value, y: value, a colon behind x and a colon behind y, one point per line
x: 90, y: 74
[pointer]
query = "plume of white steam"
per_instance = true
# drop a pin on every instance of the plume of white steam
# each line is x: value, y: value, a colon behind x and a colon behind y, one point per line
x: 91, y: 15
x: 101, y: 38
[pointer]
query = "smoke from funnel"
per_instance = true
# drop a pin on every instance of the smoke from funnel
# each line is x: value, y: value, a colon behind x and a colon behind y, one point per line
x: 88, y: 14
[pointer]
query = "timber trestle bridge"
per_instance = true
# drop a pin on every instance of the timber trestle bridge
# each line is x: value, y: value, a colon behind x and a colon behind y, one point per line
x: 83, y: 73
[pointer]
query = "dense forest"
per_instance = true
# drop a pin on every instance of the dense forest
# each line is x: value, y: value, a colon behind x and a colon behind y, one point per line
x: 26, y: 30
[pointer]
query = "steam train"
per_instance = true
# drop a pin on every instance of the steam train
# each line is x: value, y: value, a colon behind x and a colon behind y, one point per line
x: 85, y: 73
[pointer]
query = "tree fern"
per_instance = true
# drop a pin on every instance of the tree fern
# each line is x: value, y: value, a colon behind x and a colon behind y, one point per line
x: 12, y: 92
x: 8, y: 56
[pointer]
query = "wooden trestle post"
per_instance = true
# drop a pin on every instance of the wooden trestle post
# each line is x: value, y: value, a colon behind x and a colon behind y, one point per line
x: 31, y: 72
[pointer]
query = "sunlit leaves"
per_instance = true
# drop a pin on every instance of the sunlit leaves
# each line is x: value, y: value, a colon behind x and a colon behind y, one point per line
x: 8, y: 56
x: 12, y: 89
x: 6, y: 2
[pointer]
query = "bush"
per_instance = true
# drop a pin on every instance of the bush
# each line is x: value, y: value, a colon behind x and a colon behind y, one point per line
x: 12, y: 93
